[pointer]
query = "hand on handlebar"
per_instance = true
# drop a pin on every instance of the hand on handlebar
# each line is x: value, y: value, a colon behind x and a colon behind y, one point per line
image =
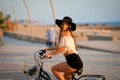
x: 48, y: 56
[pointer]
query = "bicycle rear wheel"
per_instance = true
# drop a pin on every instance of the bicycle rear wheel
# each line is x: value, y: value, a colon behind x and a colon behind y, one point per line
x: 91, y: 77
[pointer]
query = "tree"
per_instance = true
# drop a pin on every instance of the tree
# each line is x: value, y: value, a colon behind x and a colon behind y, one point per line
x: 2, y: 25
x: 1, y: 19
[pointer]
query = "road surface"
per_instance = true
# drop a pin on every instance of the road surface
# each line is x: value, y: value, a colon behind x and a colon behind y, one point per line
x: 13, y: 53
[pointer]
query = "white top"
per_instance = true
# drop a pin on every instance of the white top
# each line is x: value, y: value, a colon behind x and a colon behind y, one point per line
x: 69, y: 43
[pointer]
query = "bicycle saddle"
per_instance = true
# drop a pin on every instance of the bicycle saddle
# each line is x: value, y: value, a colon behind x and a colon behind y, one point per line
x: 78, y: 72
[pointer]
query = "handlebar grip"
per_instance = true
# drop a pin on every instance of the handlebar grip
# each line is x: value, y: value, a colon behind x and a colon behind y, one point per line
x: 50, y: 57
x: 42, y: 52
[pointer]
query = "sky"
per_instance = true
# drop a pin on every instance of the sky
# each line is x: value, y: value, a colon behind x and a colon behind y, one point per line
x: 81, y: 11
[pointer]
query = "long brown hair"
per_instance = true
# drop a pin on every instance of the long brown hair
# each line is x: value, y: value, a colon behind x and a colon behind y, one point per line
x: 72, y: 34
x: 74, y: 39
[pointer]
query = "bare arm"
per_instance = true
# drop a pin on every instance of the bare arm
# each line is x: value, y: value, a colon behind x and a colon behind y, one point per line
x: 58, y: 51
x: 54, y: 48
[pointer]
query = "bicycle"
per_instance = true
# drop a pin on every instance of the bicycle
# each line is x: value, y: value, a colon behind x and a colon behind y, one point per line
x: 44, y: 75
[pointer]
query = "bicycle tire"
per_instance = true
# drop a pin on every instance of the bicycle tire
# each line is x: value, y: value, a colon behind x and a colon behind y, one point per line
x: 44, y: 76
x: 93, y: 76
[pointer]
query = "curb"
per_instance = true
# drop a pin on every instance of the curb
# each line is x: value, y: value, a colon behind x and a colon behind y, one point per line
x: 40, y: 40
x: 24, y: 37
x: 97, y: 49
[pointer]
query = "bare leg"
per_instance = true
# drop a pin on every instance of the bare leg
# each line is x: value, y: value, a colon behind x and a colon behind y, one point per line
x: 68, y: 76
x: 62, y: 67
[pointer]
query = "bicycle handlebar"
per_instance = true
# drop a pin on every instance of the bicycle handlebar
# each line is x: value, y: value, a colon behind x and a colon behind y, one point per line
x: 42, y: 52
x: 39, y: 55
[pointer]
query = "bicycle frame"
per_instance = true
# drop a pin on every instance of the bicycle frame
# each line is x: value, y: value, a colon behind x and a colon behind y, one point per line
x: 43, y: 75
x: 38, y: 56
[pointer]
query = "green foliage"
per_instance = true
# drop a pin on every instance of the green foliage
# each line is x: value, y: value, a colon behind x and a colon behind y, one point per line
x: 1, y: 18
x: 2, y: 25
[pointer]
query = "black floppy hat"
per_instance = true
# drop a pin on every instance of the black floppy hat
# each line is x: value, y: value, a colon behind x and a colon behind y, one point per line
x: 68, y: 20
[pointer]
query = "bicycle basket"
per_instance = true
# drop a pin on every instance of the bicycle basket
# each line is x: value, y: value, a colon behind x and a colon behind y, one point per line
x: 30, y: 67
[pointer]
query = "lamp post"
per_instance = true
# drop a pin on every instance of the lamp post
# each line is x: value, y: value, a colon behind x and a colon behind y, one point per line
x: 54, y: 17
x: 30, y: 19
x: 16, y: 20
x: 5, y: 12
x: 53, y: 12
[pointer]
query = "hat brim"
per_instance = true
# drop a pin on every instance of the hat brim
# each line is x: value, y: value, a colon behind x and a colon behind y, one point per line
x: 59, y: 22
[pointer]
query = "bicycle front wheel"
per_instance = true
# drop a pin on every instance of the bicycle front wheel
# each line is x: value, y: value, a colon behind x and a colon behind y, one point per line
x: 44, y: 76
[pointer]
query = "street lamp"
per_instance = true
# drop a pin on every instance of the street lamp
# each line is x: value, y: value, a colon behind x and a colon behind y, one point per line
x: 53, y: 12
x: 16, y: 20
x: 30, y: 19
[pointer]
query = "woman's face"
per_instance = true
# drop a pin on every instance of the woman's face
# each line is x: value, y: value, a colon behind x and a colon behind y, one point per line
x: 64, y: 26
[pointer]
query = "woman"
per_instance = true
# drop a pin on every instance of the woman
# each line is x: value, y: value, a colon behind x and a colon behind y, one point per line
x: 67, y: 46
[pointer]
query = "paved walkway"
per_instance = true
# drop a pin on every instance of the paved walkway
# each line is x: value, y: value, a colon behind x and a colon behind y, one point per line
x: 12, y: 56
x: 14, y: 52
x: 102, y: 45
x: 107, y: 46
